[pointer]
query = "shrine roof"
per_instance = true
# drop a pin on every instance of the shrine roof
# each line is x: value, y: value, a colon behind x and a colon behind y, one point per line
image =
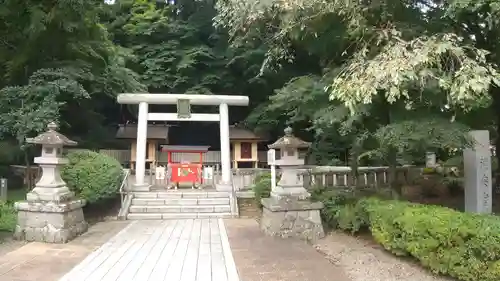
x: 160, y: 132
x: 51, y: 137
x: 155, y: 131
x: 289, y: 141
x: 185, y: 148
x: 236, y: 133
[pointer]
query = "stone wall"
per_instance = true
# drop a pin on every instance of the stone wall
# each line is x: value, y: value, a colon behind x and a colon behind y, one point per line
x: 249, y: 208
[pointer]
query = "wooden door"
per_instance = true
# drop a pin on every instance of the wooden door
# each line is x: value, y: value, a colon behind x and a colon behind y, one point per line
x: 246, y: 150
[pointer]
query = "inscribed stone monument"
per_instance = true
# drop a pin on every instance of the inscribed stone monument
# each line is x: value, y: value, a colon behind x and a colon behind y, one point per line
x: 477, y: 173
x: 288, y: 212
x: 50, y: 213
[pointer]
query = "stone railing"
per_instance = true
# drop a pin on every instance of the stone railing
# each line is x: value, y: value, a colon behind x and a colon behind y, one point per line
x: 336, y: 176
x: 330, y: 176
x: 244, y: 179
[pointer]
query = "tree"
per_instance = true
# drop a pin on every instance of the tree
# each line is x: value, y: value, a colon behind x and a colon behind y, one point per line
x: 177, y: 49
x: 63, y: 65
x: 390, y: 66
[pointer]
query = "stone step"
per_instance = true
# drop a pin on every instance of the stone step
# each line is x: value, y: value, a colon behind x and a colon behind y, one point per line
x: 180, y: 209
x: 181, y: 194
x: 164, y: 216
x: 179, y: 201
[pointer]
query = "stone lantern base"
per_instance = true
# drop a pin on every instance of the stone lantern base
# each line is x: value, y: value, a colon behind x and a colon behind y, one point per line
x: 291, y: 217
x: 49, y: 221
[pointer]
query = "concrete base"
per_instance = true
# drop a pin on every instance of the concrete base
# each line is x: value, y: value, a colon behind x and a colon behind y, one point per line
x: 226, y: 187
x: 50, y: 222
x: 292, y: 218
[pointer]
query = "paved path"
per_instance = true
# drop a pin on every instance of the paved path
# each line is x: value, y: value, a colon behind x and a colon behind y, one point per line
x: 143, y: 247
x: 173, y: 250
x: 262, y: 258
x: 48, y: 262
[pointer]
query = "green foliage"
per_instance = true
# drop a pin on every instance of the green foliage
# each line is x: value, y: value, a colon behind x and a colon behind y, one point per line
x: 179, y: 53
x: 448, y: 242
x: 92, y: 176
x: 342, y: 208
x: 401, y: 79
x: 456, y: 75
x: 8, y: 217
x: 416, y: 136
x: 30, y: 108
x: 262, y: 187
x: 339, y: 209
x: 462, y: 245
x: 73, y: 79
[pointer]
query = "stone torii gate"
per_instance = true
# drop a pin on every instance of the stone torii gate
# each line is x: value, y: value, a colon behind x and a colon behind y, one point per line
x: 184, y: 103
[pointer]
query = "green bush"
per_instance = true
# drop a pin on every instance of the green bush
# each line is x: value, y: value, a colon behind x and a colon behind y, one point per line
x: 462, y: 245
x: 262, y: 187
x: 8, y: 217
x: 338, y: 208
x: 342, y: 209
x: 92, y: 176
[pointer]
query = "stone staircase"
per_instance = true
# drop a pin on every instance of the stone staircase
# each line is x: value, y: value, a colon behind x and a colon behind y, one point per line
x: 179, y: 205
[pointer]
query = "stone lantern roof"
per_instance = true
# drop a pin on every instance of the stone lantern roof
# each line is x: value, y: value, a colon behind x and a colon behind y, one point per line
x: 289, y: 141
x: 51, y: 137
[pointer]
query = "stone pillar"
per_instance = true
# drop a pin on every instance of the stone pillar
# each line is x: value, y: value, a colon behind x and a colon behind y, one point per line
x: 50, y: 213
x: 3, y: 189
x: 288, y: 211
x: 225, y: 183
x: 140, y: 154
x: 430, y: 159
x: 477, y: 173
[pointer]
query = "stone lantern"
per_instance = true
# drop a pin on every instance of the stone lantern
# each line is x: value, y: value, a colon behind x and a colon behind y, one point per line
x: 50, y: 213
x: 289, y: 148
x: 288, y: 212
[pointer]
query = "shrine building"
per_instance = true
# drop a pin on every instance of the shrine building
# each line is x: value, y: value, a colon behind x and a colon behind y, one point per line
x: 159, y: 151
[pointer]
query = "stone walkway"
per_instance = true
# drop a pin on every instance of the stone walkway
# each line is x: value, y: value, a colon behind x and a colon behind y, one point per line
x: 262, y: 258
x: 48, y: 262
x: 171, y: 250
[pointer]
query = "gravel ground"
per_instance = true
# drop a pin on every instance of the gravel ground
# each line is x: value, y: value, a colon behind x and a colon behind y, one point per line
x: 7, y: 244
x: 364, y: 260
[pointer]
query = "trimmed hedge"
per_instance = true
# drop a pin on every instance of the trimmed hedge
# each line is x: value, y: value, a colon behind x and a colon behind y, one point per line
x: 92, y: 176
x: 462, y: 245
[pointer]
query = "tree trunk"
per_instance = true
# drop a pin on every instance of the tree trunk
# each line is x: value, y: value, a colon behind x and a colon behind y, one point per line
x: 353, y: 163
x: 392, y: 155
x: 392, y: 174
x: 29, y: 181
x: 495, y: 106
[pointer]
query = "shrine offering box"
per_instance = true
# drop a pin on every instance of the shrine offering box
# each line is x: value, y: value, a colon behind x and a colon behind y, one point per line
x: 185, y: 163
